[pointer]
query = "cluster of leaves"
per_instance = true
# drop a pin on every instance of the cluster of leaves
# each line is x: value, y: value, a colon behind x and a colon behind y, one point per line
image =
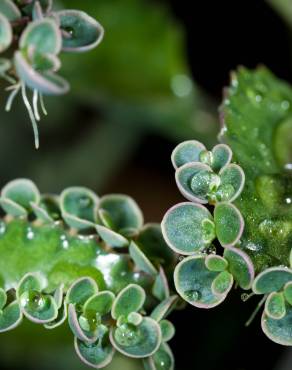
x: 32, y: 36
x: 256, y: 231
x: 204, y: 278
x: 91, y: 262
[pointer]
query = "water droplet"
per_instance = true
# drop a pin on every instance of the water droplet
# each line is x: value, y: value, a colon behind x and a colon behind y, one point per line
x: 288, y: 200
x: 127, y: 335
x: 258, y: 98
x: 33, y: 300
x: 30, y: 233
x: 181, y: 85
x: 64, y: 242
x: 210, y: 250
x: 253, y: 247
x: 192, y: 295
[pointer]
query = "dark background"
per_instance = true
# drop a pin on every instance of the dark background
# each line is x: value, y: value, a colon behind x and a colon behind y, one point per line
x: 218, y: 36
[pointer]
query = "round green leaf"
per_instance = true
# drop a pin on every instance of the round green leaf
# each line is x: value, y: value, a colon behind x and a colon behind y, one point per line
x: 137, y: 341
x: 37, y: 307
x: 96, y: 355
x: 22, y: 192
x: 10, y: 317
x: 9, y: 10
x: 134, y: 318
x: 271, y: 280
x: 30, y: 282
x: 43, y: 35
x: 161, y: 360
x: 185, y: 229
x: 12, y: 208
x: 229, y: 224
x: 186, y: 152
x: 193, y: 282
x: 80, y: 31
x: 5, y: 33
x: 167, y: 330
x: 130, y: 299
x: 275, y: 306
x: 79, y: 207
x: 216, y: 263
x: 123, y: 211
x: 240, y: 266
x: 100, y: 303
x: 222, y: 155
x: 81, y: 290
x: 195, y: 181
x: 232, y: 183
x: 279, y: 330
x: 87, y: 336
x: 222, y: 283
x: 60, y: 319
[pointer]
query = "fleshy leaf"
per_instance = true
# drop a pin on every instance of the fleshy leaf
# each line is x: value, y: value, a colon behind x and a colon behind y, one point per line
x: 163, y: 309
x: 123, y: 211
x: 12, y: 208
x: 195, y: 181
x: 161, y: 360
x: 58, y: 295
x: 30, y: 282
x: 5, y: 33
x: 167, y: 330
x: 160, y: 288
x: 216, y: 263
x: 84, y: 335
x: 46, y: 83
x: 111, y: 238
x: 186, y: 152
x: 81, y: 290
x: 21, y: 192
x: 79, y: 207
x: 193, y: 282
x: 134, y: 318
x: 5, y: 65
x: 240, y: 266
x: 141, y: 261
x: 101, y: 303
x: 43, y: 35
x: 37, y: 307
x: 185, y: 229
x: 229, y: 224
x: 9, y: 10
x: 46, y: 6
x: 10, y: 317
x: 279, y: 330
x: 271, y: 280
x: 59, y: 320
x: 222, y: 155
x: 96, y: 355
x: 288, y: 292
x: 275, y: 306
x: 80, y: 31
x: 137, y: 341
x: 222, y: 283
x: 232, y: 183
x: 130, y: 299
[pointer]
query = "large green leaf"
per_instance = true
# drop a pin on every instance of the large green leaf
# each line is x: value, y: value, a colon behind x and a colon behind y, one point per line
x: 257, y: 124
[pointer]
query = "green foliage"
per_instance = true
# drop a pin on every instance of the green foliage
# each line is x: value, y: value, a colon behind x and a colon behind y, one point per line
x: 256, y: 231
x: 34, y: 35
x: 76, y: 276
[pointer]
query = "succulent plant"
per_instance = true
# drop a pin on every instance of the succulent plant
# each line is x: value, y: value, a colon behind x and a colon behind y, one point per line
x: 32, y: 35
x: 89, y: 261
x: 237, y: 225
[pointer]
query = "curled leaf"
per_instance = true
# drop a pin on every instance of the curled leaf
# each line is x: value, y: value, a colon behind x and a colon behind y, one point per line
x: 81, y: 290
x: 111, y: 238
x: 80, y: 31
x: 140, y: 259
x: 278, y: 330
x: 271, y: 280
x: 10, y: 317
x: 275, y: 306
x: 9, y: 10
x: 130, y: 299
x: 232, y: 182
x: 222, y: 155
x: 5, y: 33
x: 186, y: 152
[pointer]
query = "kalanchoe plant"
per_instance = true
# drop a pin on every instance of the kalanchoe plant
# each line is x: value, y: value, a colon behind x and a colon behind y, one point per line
x: 32, y: 35
x: 89, y: 261
x: 247, y: 239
